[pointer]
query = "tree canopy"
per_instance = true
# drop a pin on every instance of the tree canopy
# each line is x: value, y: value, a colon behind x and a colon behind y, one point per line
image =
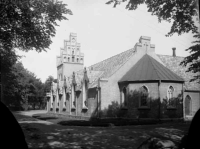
x: 28, y: 25
x: 182, y: 14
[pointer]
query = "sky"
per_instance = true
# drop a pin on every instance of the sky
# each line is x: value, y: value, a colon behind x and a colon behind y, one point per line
x: 104, y: 31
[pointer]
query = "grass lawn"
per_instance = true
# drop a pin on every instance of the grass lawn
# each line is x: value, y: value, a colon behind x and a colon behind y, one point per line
x: 51, y: 135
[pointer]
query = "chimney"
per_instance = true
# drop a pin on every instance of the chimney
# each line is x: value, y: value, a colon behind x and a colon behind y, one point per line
x: 174, y: 52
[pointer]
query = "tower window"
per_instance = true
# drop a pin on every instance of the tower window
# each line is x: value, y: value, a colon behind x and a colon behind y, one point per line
x: 64, y: 59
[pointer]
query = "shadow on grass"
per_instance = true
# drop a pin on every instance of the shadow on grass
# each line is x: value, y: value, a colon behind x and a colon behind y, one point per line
x: 49, y: 135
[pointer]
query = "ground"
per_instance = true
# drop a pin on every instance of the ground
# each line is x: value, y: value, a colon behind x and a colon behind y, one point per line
x: 48, y: 134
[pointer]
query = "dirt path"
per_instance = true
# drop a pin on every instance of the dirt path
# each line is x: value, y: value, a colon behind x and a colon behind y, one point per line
x: 43, y: 134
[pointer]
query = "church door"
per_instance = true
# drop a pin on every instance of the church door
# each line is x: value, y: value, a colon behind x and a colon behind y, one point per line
x: 188, y: 105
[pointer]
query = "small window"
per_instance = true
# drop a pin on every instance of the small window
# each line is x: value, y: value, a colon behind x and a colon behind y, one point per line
x: 170, y: 95
x: 144, y: 96
x: 124, y: 99
x: 188, y: 105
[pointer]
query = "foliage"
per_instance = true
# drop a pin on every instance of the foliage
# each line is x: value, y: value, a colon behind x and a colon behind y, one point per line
x: 30, y: 24
x: 26, y: 25
x: 23, y: 89
x: 154, y: 110
x: 194, y: 59
x: 182, y: 14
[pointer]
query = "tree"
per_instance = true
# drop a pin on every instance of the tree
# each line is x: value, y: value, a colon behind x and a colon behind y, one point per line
x: 181, y: 13
x: 27, y: 25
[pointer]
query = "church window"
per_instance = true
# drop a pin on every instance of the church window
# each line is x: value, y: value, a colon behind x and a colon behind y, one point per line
x: 170, y: 95
x: 144, y: 96
x: 188, y: 105
x: 124, y: 97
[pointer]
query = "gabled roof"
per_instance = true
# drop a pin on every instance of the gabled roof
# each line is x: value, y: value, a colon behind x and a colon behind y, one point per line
x: 112, y: 64
x: 103, y: 69
x: 147, y: 69
x: 173, y: 63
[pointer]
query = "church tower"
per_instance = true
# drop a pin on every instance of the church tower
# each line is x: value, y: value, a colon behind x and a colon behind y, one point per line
x: 70, y: 59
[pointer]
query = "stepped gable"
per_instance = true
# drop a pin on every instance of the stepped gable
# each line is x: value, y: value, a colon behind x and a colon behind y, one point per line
x: 173, y: 63
x: 147, y: 68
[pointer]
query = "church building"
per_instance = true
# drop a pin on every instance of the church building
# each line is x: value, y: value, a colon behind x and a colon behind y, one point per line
x: 139, y: 82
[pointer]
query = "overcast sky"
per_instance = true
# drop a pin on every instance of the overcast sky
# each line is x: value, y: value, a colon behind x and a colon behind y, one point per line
x: 104, y: 31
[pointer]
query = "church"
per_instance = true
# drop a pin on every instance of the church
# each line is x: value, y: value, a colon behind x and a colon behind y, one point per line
x: 139, y: 82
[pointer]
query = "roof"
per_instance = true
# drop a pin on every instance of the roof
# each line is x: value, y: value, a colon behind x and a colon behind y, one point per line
x: 103, y: 69
x: 111, y: 65
x: 173, y: 63
x: 148, y: 69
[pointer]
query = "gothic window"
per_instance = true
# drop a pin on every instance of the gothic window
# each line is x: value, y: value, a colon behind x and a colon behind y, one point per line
x: 144, y: 96
x: 124, y: 99
x: 188, y: 105
x: 170, y: 95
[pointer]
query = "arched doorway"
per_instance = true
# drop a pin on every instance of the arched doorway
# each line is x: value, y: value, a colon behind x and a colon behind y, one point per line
x: 188, y: 105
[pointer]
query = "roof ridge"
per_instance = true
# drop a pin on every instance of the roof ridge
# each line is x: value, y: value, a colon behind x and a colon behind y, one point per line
x: 154, y: 67
x: 170, y: 56
x: 111, y: 57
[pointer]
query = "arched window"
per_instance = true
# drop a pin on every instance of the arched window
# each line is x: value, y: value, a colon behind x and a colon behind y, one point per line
x: 124, y: 99
x: 170, y: 95
x: 65, y: 59
x: 188, y: 105
x: 144, y: 96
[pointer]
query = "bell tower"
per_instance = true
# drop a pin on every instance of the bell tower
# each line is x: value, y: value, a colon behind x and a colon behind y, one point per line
x: 71, y: 59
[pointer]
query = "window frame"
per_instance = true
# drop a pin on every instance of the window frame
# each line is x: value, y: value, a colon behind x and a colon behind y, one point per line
x: 142, y: 95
